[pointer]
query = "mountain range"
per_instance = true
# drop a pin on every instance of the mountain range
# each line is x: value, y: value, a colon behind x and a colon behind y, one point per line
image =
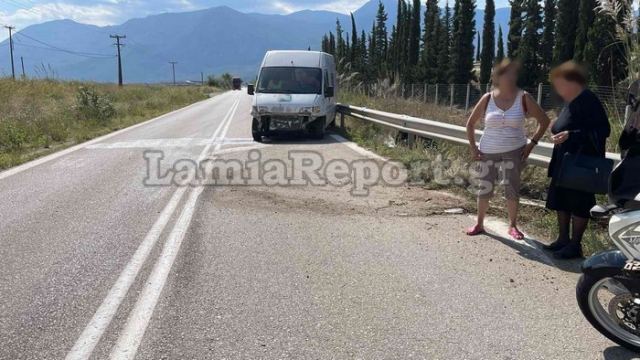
x: 210, y: 41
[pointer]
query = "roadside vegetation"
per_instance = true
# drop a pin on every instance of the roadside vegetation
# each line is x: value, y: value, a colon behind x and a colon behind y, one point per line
x: 423, y: 156
x: 38, y: 117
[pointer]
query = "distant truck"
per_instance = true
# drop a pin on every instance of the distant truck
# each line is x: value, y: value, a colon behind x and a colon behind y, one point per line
x: 295, y: 92
x: 236, y: 83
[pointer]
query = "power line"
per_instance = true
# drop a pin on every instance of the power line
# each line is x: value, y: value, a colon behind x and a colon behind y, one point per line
x: 118, y: 44
x: 56, y: 48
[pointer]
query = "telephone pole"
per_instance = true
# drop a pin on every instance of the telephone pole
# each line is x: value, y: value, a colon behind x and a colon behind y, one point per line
x: 118, y: 44
x: 13, y: 69
x: 24, y: 75
x: 173, y: 67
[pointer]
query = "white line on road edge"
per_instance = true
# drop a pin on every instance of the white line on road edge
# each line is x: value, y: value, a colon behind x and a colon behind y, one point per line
x: 92, y: 333
x: 130, y: 338
x: 31, y: 164
x: 357, y: 148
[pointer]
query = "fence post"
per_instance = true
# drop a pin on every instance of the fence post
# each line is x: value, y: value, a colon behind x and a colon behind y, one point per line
x: 413, y: 91
x: 426, y: 87
x: 466, y: 106
x: 540, y: 94
x: 452, y: 90
x: 436, y: 100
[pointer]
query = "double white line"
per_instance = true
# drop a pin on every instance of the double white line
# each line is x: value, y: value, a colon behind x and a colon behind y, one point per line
x: 133, y: 332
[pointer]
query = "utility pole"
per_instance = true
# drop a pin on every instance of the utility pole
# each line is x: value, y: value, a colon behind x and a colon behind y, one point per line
x: 173, y: 67
x: 118, y: 44
x: 13, y: 69
x: 202, y: 78
x: 24, y: 75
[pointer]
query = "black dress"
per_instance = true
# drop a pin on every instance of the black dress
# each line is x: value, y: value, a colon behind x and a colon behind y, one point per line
x: 586, y: 120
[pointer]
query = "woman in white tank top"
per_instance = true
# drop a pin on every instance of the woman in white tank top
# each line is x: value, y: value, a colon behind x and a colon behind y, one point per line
x: 504, y: 147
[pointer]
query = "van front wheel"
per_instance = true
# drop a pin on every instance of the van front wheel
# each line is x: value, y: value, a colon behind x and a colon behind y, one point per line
x: 255, y: 131
x: 316, y: 129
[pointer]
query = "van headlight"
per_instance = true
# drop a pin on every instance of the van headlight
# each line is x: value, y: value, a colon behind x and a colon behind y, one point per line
x: 260, y: 110
x: 310, y: 110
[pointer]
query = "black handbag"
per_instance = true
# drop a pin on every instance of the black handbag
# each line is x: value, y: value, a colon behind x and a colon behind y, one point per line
x: 585, y: 173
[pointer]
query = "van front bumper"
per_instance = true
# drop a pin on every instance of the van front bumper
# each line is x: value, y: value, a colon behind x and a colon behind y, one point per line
x: 274, y: 123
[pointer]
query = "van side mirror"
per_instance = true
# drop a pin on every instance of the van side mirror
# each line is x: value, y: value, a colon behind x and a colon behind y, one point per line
x: 251, y: 89
x: 329, y: 92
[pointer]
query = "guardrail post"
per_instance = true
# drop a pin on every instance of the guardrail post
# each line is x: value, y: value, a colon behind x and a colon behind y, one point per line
x: 453, y: 93
x: 341, y: 120
x: 436, y: 99
x: 466, y: 106
x: 540, y: 94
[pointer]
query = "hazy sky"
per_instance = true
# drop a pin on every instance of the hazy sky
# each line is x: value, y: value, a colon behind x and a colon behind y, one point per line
x: 22, y: 13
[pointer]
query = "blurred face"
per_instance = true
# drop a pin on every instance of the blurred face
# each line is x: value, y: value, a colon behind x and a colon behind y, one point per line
x: 566, y: 89
x: 509, y: 79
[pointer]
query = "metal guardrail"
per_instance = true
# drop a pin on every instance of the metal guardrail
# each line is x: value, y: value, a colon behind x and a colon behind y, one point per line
x: 437, y: 130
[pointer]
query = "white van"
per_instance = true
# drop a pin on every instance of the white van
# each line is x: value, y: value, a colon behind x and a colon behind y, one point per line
x: 295, y: 92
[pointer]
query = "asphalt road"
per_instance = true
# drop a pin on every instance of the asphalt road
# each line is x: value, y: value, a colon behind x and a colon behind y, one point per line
x: 98, y: 262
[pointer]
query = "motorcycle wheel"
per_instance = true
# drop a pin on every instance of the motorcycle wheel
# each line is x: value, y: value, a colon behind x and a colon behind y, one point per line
x: 606, y: 304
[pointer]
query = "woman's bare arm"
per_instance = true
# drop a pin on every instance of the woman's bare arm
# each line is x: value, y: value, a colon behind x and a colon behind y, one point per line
x: 476, y: 115
x: 534, y: 109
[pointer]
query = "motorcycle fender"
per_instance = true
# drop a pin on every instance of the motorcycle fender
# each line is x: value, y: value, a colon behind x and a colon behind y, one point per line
x: 607, y: 263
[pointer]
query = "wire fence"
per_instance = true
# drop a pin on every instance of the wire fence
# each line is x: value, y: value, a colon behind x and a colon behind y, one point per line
x: 463, y: 97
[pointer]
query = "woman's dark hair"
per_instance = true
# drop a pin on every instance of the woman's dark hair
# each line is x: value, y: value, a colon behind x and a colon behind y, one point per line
x: 570, y: 71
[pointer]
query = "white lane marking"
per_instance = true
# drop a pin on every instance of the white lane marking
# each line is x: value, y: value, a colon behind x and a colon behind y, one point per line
x: 134, y: 330
x: 166, y: 143
x: 131, y: 336
x: 357, y: 148
x: 26, y: 166
x: 92, y: 333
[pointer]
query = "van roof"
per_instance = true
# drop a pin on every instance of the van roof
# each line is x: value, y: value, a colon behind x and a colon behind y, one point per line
x: 297, y: 58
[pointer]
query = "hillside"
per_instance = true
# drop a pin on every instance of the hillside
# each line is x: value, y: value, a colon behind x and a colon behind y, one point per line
x: 211, y: 41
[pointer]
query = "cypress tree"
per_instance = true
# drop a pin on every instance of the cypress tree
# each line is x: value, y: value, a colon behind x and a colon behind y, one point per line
x: 478, y: 46
x: 566, y: 26
x: 341, y: 48
x: 586, y: 17
x: 414, y: 33
x: 500, y: 54
x: 431, y: 38
x: 380, y: 38
x: 444, y: 58
x: 355, y: 42
x: 604, y: 54
x: 529, y: 51
x: 515, y: 28
x: 462, y: 48
x: 488, y: 42
x: 548, y: 33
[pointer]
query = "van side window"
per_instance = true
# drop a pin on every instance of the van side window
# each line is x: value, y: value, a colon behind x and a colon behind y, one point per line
x: 327, y: 84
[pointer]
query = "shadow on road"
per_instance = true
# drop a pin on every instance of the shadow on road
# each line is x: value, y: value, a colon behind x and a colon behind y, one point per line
x: 537, y: 254
x: 619, y: 353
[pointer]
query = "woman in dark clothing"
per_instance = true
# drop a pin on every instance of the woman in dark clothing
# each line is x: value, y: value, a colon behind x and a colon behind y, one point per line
x: 582, y: 126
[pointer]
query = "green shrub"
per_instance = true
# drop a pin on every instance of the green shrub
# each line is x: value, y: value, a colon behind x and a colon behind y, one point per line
x: 12, y: 135
x: 91, y: 105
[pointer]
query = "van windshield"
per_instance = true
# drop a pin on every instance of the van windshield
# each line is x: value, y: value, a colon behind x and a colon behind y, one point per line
x: 290, y: 80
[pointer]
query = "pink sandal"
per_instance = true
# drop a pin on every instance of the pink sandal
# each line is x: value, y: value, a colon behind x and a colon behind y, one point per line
x: 516, y: 234
x: 475, y: 230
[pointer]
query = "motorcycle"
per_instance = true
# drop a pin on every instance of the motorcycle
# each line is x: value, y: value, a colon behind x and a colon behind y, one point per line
x: 608, y: 292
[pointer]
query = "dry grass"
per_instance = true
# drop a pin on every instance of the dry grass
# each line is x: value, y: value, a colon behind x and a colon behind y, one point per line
x: 452, y: 162
x: 41, y: 116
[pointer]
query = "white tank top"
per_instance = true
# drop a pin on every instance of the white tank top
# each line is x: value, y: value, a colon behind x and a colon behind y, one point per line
x: 504, y: 131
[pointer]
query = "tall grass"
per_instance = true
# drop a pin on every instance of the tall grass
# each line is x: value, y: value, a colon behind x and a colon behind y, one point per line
x: 40, y: 116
